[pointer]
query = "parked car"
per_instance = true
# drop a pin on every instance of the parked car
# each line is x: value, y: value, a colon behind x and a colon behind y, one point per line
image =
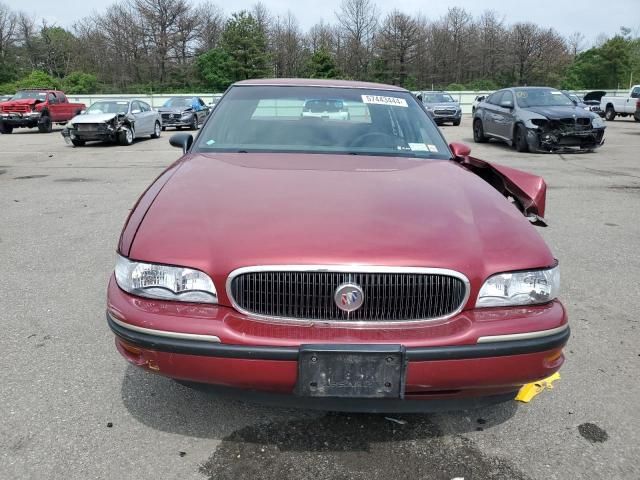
x: 442, y: 107
x: 181, y: 112
x: 349, y: 265
x: 120, y: 121
x: 636, y: 115
x: 476, y: 101
x: 620, y: 106
x: 325, y: 108
x: 592, y: 100
x: 37, y: 108
x: 537, y: 119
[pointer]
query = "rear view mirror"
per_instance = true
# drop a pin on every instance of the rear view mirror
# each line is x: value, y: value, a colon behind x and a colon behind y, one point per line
x: 460, y: 150
x: 181, y: 140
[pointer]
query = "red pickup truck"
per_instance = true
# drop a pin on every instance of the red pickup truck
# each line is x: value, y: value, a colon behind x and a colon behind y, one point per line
x: 37, y: 108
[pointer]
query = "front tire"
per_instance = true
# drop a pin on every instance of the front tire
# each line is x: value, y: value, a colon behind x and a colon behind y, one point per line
x: 77, y: 143
x: 520, y: 141
x: 45, y: 125
x: 125, y: 136
x: 6, y: 129
x: 156, y: 130
x: 194, y: 122
x: 456, y: 123
x: 610, y: 114
x: 478, y: 131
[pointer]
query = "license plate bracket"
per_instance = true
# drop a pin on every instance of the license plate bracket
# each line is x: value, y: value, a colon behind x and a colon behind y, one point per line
x: 351, y: 371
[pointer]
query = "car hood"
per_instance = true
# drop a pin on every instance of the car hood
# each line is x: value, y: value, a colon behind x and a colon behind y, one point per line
x: 93, y: 118
x: 595, y: 95
x: 219, y: 212
x: 443, y: 105
x: 22, y: 101
x: 173, y: 109
x: 554, y: 113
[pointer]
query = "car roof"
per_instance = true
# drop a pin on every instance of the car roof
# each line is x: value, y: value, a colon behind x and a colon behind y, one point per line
x: 317, y: 82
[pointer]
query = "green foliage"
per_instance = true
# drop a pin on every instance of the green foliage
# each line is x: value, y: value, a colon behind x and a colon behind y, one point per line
x: 245, y: 42
x: 455, y: 87
x: 608, y: 66
x: 78, y: 82
x: 37, y: 79
x: 322, y: 65
x: 482, y: 85
x: 214, y: 67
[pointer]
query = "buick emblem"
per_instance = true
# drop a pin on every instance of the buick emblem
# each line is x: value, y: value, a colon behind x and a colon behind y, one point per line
x: 349, y: 297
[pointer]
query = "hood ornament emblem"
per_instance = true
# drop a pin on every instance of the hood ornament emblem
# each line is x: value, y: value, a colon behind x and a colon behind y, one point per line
x: 349, y: 297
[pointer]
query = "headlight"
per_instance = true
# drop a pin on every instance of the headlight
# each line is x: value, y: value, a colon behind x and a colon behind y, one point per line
x: 597, y: 122
x: 164, y: 281
x: 520, y: 288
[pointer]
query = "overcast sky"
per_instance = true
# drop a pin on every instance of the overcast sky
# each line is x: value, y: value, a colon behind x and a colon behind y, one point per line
x: 591, y: 17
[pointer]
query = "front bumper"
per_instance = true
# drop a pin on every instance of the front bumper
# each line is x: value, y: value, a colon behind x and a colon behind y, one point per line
x: 104, y: 135
x: 568, y: 140
x: 467, y: 357
x: 176, y: 122
x: 447, y: 118
x: 28, y: 120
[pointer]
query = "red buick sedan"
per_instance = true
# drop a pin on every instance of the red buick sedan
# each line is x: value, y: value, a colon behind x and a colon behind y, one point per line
x: 344, y: 262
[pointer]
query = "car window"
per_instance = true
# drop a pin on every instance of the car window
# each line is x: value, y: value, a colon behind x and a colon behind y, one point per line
x: 201, y: 102
x: 52, y: 98
x: 144, y: 107
x: 635, y: 93
x: 507, y: 96
x: 322, y: 120
x: 108, y: 107
x: 541, y: 97
x: 61, y: 97
x: 495, y: 98
x: 135, y: 106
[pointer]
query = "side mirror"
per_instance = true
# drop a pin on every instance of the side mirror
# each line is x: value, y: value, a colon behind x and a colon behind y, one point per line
x: 506, y: 104
x: 460, y: 150
x: 82, y: 112
x: 181, y: 140
x: 136, y: 111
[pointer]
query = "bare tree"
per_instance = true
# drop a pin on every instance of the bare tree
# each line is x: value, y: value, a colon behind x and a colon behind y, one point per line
x: 287, y: 43
x: 358, y: 21
x: 575, y: 42
x: 397, y: 45
x: 210, y: 27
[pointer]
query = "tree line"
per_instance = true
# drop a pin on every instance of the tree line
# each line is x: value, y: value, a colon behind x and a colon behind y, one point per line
x: 172, y: 46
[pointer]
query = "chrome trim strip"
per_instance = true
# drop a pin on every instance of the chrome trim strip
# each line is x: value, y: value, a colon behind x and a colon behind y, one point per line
x: 347, y: 269
x: 165, y: 333
x: 522, y: 336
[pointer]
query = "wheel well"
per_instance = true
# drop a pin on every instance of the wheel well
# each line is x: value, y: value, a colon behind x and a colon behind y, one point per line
x: 609, y: 105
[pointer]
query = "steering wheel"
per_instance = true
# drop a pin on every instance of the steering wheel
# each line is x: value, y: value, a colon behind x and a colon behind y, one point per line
x: 378, y: 139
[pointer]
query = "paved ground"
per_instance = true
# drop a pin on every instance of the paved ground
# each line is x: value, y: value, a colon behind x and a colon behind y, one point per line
x: 71, y: 408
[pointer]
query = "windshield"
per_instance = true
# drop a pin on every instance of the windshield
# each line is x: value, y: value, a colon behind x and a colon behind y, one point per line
x: 280, y: 119
x: 30, y: 94
x: 108, y: 107
x: 437, y: 98
x: 542, y: 97
x: 178, y: 102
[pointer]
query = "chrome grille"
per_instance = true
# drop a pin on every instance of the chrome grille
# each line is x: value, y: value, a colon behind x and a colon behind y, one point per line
x: 398, y: 295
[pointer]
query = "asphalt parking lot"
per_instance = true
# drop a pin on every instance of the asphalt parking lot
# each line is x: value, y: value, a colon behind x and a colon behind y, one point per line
x: 72, y: 408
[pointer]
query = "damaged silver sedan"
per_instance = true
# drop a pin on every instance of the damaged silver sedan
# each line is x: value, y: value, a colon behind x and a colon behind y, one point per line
x: 537, y: 119
x: 117, y: 121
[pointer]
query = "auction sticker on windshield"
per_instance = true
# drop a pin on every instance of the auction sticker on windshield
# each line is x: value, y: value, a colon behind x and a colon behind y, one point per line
x: 379, y: 100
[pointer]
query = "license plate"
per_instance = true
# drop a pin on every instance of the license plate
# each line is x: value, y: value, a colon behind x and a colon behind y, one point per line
x: 351, y: 371
x: 84, y: 127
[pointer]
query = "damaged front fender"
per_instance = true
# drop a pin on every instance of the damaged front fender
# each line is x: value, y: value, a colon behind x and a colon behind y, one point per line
x: 527, y: 191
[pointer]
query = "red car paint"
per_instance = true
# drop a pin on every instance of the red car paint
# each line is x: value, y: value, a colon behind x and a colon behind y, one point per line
x: 56, y: 107
x: 223, y: 211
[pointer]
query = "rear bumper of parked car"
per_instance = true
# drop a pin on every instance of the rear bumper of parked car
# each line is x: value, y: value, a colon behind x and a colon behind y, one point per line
x: 477, y: 357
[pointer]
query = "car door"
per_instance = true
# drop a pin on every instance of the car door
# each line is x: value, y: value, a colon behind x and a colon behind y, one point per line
x: 204, y: 110
x: 630, y: 105
x: 149, y: 116
x: 489, y: 117
x: 140, y: 124
x: 53, y: 107
x: 504, y: 115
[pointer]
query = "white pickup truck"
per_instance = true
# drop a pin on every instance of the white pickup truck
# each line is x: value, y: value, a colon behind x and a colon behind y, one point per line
x: 623, y: 106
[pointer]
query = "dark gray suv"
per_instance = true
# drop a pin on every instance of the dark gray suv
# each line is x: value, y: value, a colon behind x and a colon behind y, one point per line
x: 537, y: 119
x: 442, y: 107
